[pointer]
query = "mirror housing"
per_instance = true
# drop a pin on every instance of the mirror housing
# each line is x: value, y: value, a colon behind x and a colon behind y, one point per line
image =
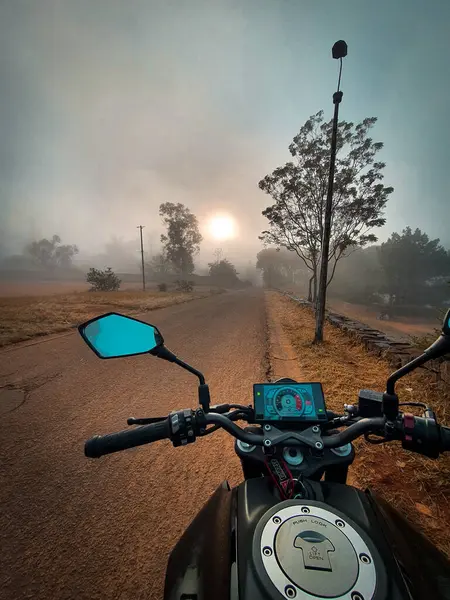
x: 442, y: 345
x: 113, y: 335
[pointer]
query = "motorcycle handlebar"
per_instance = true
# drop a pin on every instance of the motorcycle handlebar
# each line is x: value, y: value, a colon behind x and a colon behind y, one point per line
x: 333, y: 441
x: 354, y: 431
x: 128, y: 438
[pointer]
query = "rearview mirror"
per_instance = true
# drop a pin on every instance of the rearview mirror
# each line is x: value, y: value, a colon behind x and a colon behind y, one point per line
x: 114, y: 335
x: 446, y: 325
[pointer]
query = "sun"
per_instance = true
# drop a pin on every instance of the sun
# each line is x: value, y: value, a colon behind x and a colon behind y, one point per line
x: 222, y: 227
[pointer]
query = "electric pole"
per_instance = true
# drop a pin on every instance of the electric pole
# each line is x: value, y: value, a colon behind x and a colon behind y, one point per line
x: 141, y: 227
x: 339, y: 51
x: 218, y: 253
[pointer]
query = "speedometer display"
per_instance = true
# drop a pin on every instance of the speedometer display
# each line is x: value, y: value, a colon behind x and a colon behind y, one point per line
x: 289, y: 402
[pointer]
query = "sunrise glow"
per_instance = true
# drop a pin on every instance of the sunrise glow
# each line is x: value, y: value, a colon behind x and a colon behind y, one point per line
x: 222, y: 227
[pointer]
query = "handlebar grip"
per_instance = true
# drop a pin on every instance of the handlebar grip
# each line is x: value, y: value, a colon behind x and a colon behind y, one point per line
x: 128, y: 438
x: 445, y: 438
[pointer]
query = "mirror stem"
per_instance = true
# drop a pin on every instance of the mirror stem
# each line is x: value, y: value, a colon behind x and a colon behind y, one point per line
x: 165, y: 354
x: 180, y: 363
x: 392, y: 380
x: 440, y: 347
x: 203, y: 389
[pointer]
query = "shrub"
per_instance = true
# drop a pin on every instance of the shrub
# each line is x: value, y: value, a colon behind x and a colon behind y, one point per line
x: 184, y: 286
x: 162, y: 287
x: 103, y: 281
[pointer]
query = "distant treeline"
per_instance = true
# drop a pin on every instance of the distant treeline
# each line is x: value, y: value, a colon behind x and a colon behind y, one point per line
x: 408, y: 270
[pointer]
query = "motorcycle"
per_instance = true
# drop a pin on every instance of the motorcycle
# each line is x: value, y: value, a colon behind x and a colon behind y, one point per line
x: 293, y: 528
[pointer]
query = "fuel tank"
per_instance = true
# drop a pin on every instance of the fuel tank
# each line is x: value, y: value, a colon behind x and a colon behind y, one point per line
x: 222, y: 554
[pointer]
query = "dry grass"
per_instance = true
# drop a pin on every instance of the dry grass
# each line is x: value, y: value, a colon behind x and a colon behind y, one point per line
x: 23, y: 318
x: 418, y: 487
x: 41, y: 288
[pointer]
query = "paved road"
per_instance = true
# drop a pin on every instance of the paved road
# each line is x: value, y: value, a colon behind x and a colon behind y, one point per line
x: 72, y: 528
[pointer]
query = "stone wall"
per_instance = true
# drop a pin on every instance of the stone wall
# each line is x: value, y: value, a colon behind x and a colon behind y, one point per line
x: 394, y: 352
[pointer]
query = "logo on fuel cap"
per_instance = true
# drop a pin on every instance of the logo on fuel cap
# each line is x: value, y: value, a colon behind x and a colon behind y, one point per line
x: 315, y: 548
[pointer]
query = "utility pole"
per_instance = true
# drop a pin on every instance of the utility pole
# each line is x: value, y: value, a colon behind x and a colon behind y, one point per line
x: 218, y: 253
x: 141, y: 227
x: 339, y: 51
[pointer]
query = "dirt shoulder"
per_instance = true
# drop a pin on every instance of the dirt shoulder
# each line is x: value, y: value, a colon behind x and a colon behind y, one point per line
x: 401, y: 328
x: 26, y: 317
x: 417, y: 486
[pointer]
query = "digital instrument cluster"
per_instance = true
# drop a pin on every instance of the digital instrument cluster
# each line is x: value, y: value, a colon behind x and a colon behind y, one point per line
x: 295, y: 402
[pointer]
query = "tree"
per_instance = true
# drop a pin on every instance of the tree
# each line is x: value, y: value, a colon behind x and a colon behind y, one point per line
x: 159, y: 265
x: 218, y: 254
x: 224, y: 272
x: 410, y: 261
x: 280, y: 267
x: 251, y: 274
x: 103, y: 281
x: 50, y: 254
x: 299, y: 190
x: 64, y: 255
x: 359, y: 278
x: 183, y: 237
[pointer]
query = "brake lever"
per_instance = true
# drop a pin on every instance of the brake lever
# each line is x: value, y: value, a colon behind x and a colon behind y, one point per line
x: 145, y: 421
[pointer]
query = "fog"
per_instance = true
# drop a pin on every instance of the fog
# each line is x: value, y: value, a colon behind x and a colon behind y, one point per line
x: 109, y: 108
x: 114, y: 110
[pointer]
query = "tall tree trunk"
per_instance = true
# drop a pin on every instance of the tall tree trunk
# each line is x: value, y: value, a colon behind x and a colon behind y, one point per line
x: 310, y: 298
x: 315, y: 286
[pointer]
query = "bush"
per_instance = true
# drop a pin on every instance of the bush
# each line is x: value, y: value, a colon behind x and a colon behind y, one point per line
x: 103, y: 281
x: 184, y: 286
x: 162, y: 287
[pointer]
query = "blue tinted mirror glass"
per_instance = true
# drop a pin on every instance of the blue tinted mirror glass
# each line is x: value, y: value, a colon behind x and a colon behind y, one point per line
x: 115, y: 335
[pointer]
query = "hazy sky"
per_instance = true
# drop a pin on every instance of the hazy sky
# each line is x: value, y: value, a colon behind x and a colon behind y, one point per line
x: 109, y: 107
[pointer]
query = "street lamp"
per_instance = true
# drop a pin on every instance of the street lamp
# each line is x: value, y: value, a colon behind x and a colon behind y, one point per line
x: 339, y: 51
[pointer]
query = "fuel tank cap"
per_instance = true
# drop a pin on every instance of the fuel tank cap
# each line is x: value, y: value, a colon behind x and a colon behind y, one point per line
x: 308, y: 551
